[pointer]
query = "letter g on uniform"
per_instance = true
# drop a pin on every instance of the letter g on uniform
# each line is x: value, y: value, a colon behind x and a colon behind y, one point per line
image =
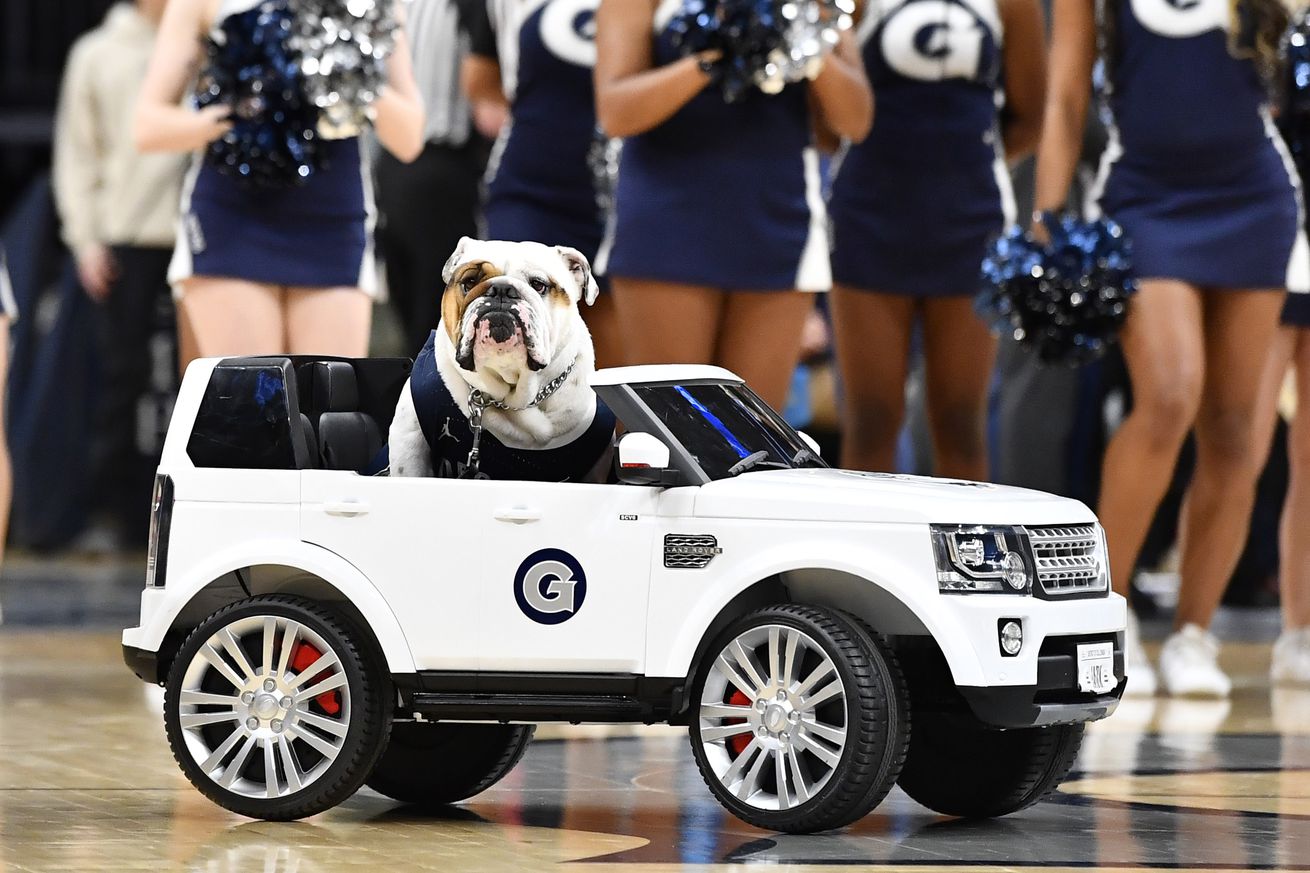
x: 550, y: 586
x: 931, y: 40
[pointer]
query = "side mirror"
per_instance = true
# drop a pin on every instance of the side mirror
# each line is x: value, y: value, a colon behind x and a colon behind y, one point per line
x: 811, y: 442
x: 642, y: 460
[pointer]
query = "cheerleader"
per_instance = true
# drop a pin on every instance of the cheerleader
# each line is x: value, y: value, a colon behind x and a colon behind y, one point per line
x: 1198, y: 177
x: 914, y: 207
x: 536, y: 57
x: 270, y: 270
x: 719, y: 218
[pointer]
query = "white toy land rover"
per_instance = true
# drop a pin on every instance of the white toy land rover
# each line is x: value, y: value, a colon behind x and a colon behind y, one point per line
x: 824, y: 634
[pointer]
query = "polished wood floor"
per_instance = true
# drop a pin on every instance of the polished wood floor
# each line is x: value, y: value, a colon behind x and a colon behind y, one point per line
x: 87, y: 783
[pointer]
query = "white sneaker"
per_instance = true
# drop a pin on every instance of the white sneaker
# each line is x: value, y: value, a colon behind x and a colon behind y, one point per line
x: 1137, y: 669
x: 1291, y: 663
x: 1189, y: 665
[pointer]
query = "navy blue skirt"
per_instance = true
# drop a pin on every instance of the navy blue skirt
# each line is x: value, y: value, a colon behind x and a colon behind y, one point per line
x: 317, y: 235
x: 1225, y: 223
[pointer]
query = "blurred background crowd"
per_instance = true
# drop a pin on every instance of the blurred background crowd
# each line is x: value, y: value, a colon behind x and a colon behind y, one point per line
x: 823, y: 242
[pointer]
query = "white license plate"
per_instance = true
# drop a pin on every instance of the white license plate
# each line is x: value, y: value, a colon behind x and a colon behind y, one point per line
x: 1096, y: 668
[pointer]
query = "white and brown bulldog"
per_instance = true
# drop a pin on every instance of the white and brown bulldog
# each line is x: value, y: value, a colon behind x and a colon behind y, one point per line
x: 511, y: 346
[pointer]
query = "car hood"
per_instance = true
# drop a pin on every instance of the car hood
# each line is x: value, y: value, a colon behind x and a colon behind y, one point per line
x: 845, y: 495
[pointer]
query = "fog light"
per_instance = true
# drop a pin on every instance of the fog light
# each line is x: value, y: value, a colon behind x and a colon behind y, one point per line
x: 1011, y: 637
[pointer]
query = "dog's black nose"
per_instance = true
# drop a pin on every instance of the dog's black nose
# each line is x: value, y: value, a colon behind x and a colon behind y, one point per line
x: 502, y: 289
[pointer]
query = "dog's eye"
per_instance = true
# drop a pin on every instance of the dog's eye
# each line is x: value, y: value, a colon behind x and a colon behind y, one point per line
x: 469, y: 283
x: 539, y: 285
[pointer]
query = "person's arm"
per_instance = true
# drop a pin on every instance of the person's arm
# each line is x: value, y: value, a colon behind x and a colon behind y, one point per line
x: 1025, y: 76
x: 79, y: 174
x: 480, y: 76
x: 842, y: 95
x: 1073, y: 51
x: 631, y: 96
x: 161, y: 123
x: 398, y: 114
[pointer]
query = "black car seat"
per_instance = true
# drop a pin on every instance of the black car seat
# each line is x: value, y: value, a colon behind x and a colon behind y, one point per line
x: 348, y: 439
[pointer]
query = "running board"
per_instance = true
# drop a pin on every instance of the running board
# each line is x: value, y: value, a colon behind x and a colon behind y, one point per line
x: 518, y: 707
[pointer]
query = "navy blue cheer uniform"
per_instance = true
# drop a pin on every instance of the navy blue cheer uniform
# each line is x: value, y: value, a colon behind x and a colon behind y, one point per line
x: 915, y: 205
x: 446, y: 429
x: 725, y: 195
x: 318, y: 234
x: 1195, y: 171
x: 540, y: 186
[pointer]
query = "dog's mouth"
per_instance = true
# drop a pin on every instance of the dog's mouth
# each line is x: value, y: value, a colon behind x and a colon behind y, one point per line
x: 498, y: 326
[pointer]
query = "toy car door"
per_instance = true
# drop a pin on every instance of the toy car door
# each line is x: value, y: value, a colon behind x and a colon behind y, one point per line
x: 420, y: 542
x: 564, y: 576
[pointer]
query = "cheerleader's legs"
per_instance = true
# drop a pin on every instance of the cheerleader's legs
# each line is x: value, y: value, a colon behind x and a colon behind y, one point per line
x: 959, y: 354
x: 1240, y: 328
x: 1163, y: 345
x: 871, y: 333
x: 234, y: 316
x: 757, y: 335
x: 602, y: 319
x: 328, y: 321
x: 1294, y: 545
x: 1291, y: 347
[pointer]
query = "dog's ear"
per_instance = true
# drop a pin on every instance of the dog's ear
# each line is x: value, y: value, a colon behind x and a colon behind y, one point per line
x: 581, y: 271
x: 448, y: 271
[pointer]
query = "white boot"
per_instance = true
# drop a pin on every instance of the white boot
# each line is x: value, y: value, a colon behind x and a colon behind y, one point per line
x: 1189, y: 665
x: 1291, y: 662
x: 1140, y: 674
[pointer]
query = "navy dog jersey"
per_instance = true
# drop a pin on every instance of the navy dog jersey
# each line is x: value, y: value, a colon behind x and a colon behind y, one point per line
x: 450, y: 438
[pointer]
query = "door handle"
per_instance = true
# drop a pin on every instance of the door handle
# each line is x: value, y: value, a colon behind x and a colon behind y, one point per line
x: 517, y: 514
x: 345, y: 507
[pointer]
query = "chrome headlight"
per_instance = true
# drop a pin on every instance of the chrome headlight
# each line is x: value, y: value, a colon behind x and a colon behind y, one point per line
x: 1103, y: 559
x: 981, y: 558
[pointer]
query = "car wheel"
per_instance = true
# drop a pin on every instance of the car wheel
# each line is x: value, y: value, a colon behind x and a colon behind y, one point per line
x: 799, y: 719
x: 970, y: 770
x: 432, y: 764
x: 274, y: 709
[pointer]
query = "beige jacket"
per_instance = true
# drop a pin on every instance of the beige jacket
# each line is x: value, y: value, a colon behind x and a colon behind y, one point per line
x: 105, y: 190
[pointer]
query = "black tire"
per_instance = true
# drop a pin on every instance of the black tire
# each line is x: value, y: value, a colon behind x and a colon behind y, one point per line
x: 969, y: 770
x: 365, y: 695
x: 434, y: 764
x: 876, y: 711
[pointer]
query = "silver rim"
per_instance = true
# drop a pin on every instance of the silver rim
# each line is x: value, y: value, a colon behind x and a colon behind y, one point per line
x: 242, y: 700
x: 792, y: 723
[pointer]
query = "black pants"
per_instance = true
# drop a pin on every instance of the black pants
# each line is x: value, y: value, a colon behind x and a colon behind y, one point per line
x: 139, y: 383
x: 426, y: 207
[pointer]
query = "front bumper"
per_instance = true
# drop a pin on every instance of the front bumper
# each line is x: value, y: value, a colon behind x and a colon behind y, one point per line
x: 1055, y: 698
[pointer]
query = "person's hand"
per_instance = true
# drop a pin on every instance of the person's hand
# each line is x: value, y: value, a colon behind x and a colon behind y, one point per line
x: 1037, y: 228
x: 489, y: 116
x: 213, y: 121
x: 97, y: 270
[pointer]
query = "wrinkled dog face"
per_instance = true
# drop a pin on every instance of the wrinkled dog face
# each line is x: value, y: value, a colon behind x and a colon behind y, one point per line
x: 510, y: 306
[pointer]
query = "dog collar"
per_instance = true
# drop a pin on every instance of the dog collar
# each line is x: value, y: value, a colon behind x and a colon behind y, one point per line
x: 479, y: 401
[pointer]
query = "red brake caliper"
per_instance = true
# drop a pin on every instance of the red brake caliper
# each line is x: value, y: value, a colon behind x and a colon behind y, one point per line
x: 304, y: 657
x: 737, y: 744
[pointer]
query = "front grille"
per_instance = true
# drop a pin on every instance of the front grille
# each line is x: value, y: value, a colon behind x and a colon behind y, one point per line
x: 1066, y: 558
x: 689, y: 551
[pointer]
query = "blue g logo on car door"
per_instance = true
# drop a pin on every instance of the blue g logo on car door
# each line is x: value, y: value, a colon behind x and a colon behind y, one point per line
x: 550, y: 586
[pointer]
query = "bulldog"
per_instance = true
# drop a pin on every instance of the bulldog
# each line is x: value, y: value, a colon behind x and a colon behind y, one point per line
x: 507, y: 370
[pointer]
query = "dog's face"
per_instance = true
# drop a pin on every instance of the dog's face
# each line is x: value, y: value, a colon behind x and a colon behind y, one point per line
x: 510, y: 307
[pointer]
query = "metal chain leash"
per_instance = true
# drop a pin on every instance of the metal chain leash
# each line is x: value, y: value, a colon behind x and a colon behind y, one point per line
x: 479, y: 401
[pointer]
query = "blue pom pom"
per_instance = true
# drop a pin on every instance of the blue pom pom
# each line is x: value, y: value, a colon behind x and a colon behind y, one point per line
x: 251, y: 69
x: 1066, y: 300
x: 1294, y: 119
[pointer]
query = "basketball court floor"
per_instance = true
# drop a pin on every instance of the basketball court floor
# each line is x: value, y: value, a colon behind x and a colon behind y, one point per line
x: 87, y: 783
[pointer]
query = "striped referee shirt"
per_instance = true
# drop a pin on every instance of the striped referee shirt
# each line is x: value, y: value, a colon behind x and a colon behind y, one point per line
x: 439, y: 48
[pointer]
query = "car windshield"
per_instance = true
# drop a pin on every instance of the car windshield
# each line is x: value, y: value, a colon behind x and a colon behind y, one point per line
x: 726, y: 428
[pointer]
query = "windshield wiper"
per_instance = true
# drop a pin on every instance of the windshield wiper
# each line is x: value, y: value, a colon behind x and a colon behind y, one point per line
x: 751, y: 461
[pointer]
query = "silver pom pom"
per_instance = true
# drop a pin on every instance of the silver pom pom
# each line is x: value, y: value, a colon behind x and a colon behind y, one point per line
x: 344, y: 46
